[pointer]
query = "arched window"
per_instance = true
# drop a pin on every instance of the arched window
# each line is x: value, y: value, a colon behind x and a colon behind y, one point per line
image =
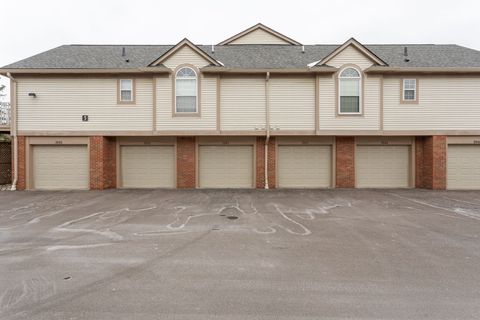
x: 186, y: 90
x: 349, y: 91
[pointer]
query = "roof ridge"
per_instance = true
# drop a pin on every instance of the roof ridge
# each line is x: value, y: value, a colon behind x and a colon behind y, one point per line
x: 115, y: 45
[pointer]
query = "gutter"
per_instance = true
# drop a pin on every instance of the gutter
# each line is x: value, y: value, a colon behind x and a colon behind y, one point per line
x: 313, y: 70
x: 13, y: 128
x: 267, y: 125
x: 422, y: 70
x: 148, y: 70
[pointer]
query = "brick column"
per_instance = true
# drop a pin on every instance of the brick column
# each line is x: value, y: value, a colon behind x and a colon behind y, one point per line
x: 103, y: 166
x: 431, y: 162
x: 22, y: 181
x: 419, y: 174
x: 186, y: 162
x: 260, y: 163
x: 345, y: 162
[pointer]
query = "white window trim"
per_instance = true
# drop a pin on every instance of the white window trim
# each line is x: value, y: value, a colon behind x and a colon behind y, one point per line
x: 131, y: 90
x: 175, y: 92
x: 414, y: 90
x: 360, y: 93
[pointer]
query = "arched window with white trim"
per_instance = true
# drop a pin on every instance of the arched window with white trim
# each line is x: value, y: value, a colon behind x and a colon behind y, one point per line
x: 186, y: 90
x: 350, y: 84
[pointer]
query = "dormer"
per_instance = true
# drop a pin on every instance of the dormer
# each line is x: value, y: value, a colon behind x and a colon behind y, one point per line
x: 259, y: 34
x: 185, y: 52
x: 351, y: 52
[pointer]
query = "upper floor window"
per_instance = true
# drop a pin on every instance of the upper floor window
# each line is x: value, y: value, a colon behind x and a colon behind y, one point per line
x: 126, y: 90
x: 186, y: 90
x: 409, y: 90
x: 349, y: 91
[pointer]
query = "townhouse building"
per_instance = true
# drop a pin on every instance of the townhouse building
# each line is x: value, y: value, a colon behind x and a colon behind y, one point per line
x: 258, y: 110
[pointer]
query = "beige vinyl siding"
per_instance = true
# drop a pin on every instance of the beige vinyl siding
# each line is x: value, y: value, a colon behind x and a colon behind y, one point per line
x: 185, y: 55
x: 226, y: 166
x: 60, y: 167
x: 207, y: 120
x: 304, y: 166
x: 463, y: 167
x: 382, y: 166
x: 147, y: 166
x: 329, y: 118
x: 292, y: 103
x: 242, y: 103
x: 350, y: 55
x: 61, y: 102
x: 445, y: 103
x: 259, y: 36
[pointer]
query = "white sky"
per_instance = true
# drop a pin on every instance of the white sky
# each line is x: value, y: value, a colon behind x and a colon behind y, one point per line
x: 29, y: 27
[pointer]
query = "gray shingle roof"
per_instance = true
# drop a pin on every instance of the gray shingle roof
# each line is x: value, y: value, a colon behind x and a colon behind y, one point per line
x: 245, y: 56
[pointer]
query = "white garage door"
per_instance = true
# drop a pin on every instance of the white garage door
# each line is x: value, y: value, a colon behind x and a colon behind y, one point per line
x: 463, y: 167
x: 304, y: 166
x: 383, y: 166
x: 60, y: 167
x: 147, y: 166
x: 226, y: 166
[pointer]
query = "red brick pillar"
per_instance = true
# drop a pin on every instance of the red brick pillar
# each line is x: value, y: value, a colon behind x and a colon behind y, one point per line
x: 103, y: 164
x: 419, y: 160
x: 345, y: 162
x: 431, y: 162
x: 186, y: 162
x: 22, y: 181
x: 260, y: 163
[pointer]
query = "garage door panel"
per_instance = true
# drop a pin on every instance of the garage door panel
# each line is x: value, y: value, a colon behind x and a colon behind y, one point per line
x: 463, y: 167
x: 148, y: 166
x: 383, y: 166
x: 304, y: 166
x: 60, y: 167
x: 226, y: 166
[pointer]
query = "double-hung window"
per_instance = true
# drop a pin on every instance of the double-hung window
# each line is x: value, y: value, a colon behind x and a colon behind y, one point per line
x: 349, y: 84
x: 126, y: 90
x: 186, y: 91
x: 409, y: 93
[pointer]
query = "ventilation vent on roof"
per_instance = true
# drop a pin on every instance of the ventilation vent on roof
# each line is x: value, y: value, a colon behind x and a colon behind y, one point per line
x: 123, y: 52
x: 405, y: 53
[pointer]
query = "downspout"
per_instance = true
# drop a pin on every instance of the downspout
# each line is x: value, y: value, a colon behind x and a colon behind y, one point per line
x: 267, y: 125
x: 13, y: 127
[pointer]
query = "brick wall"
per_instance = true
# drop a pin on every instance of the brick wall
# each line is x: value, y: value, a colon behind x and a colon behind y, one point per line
x: 430, y: 162
x: 260, y: 163
x: 345, y: 162
x: 21, y: 182
x: 103, y: 168
x: 186, y: 162
x: 419, y: 172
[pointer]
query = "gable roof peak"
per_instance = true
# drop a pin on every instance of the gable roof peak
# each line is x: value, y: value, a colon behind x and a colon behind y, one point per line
x: 353, y: 42
x: 184, y: 42
x: 260, y: 26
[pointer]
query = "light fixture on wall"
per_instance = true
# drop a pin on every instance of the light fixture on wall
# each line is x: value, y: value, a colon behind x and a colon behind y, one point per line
x: 32, y: 94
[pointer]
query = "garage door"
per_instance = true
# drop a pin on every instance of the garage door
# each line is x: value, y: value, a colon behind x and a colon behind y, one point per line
x: 226, y: 166
x: 304, y: 166
x: 463, y: 167
x: 147, y: 166
x: 383, y: 166
x: 60, y: 167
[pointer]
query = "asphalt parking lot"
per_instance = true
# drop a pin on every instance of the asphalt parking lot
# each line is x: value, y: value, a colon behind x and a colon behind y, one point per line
x: 247, y: 254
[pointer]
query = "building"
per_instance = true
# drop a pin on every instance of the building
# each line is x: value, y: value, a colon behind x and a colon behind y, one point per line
x: 256, y: 110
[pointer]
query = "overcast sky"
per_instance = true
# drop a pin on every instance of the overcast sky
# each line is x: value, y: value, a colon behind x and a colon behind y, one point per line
x: 29, y: 27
